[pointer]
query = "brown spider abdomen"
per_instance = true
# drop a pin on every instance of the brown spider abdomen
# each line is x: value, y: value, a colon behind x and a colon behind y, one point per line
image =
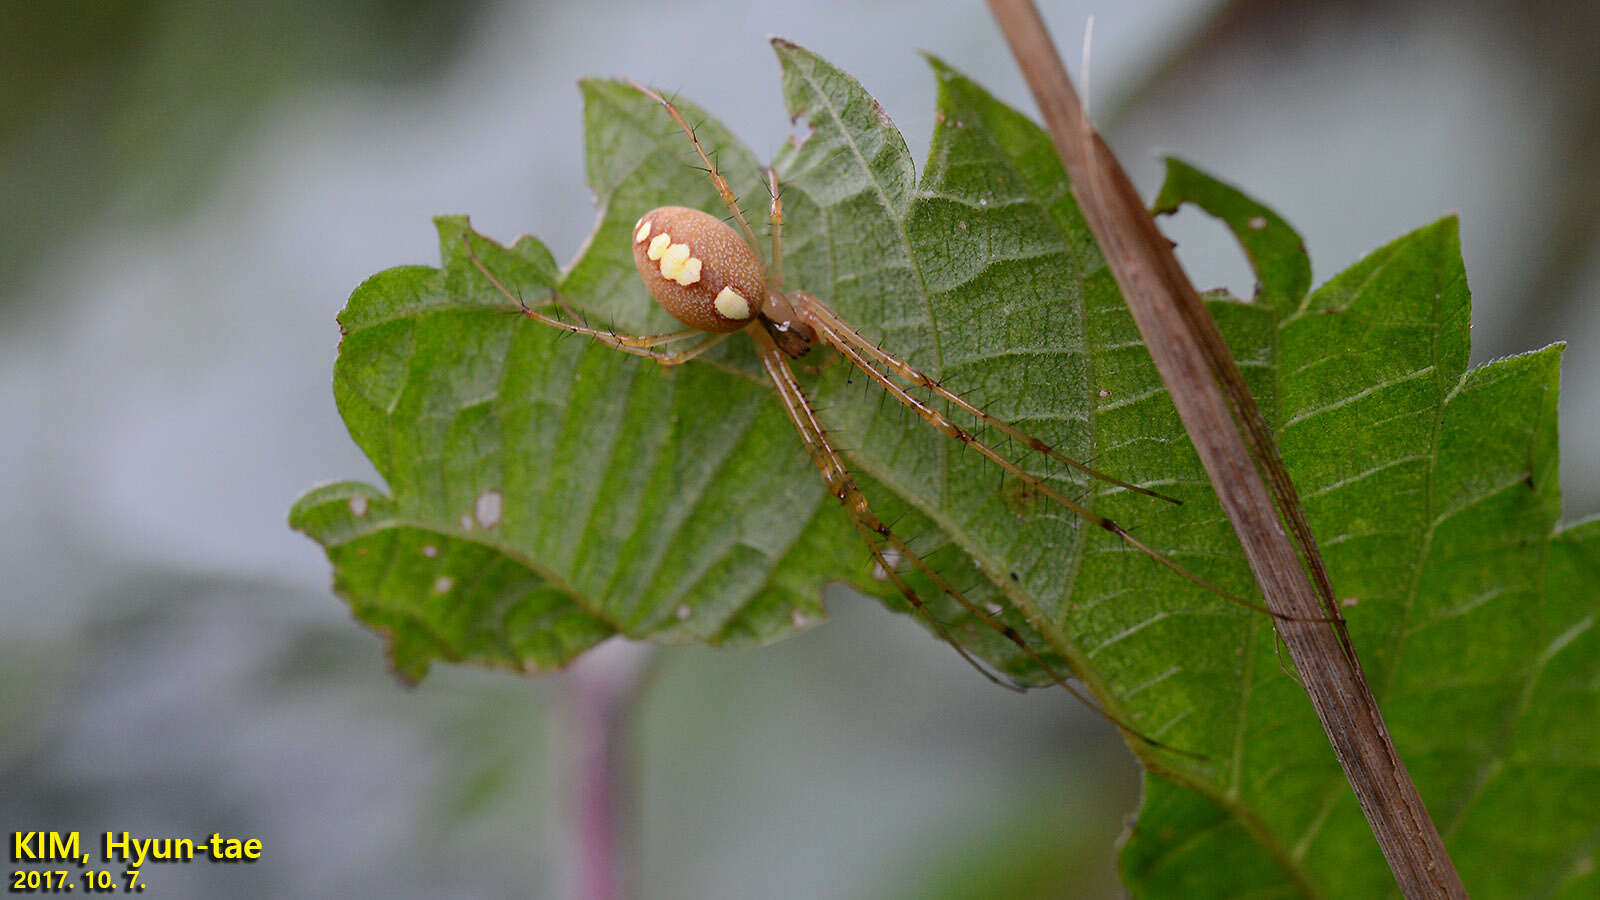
x: 698, y: 268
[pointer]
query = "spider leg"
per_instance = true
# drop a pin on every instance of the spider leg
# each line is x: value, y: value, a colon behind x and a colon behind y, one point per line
x: 877, y: 534
x: 571, y: 313
x: 845, y: 333
x: 636, y: 344
x: 775, y: 226
x: 1278, y: 646
x: 828, y: 334
x: 838, y: 477
x: 723, y: 190
x: 875, y: 547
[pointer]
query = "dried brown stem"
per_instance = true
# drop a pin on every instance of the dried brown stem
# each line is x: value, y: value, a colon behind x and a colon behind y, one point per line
x: 1205, y: 385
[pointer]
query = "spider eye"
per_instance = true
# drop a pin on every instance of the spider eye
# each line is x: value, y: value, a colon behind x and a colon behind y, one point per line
x: 698, y: 268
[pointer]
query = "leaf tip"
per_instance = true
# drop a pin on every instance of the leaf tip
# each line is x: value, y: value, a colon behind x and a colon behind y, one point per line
x: 1448, y: 225
x: 941, y: 69
x: 409, y: 672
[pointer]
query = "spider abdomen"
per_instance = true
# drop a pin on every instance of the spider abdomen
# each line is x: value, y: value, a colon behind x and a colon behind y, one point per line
x: 698, y: 268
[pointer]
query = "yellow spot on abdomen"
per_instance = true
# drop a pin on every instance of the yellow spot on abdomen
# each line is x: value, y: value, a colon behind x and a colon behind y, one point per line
x: 673, y: 259
x: 690, y: 273
x: 732, y: 304
x: 658, y: 246
x: 643, y: 232
x: 677, y: 265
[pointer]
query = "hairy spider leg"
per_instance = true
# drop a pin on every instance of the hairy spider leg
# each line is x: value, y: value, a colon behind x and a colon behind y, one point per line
x: 723, y: 190
x: 775, y: 229
x: 636, y: 344
x: 877, y: 534
x: 849, y: 344
x: 847, y: 334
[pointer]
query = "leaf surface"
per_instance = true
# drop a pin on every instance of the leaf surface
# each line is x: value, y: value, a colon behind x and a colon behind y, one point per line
x: 545, y: 492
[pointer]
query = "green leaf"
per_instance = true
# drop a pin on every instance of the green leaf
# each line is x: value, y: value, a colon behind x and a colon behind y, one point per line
x: 546, y: 492
x: 1432, y: 490
x: 540, y: 483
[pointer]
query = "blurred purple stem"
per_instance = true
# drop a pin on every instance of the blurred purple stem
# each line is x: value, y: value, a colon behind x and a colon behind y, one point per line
x: 600, y: 693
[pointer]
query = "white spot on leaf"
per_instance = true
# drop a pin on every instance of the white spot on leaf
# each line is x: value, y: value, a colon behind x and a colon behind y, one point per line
x: 1257, y: 223
x: 488, y: 509
x: 430, y: 551
x: 443, y: 584
x: 682, y: 611
x: 358, y: 505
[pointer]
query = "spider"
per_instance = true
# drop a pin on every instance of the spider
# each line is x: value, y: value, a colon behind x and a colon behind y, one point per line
x: 709, y: 275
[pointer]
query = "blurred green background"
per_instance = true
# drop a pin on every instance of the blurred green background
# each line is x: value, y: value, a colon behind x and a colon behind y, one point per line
x: 193, y: 189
